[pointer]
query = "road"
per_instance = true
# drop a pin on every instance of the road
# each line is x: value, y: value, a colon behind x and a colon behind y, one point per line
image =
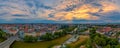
x: 8, y: 42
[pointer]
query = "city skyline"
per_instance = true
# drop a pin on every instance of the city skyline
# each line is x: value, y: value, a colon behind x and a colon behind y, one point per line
x: 59, y: 11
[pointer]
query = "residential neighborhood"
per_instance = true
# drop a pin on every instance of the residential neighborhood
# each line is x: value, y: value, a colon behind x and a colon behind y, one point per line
x: 48, y: 32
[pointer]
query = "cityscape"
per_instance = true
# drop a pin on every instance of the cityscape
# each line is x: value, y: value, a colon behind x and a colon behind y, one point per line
x: 45, y: 35
x: 59, y: 24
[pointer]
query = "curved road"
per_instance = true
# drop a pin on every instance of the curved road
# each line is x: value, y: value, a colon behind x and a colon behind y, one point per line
x: 8, y: 42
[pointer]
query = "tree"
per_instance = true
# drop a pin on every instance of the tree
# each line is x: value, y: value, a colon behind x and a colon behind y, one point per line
x: 92, y: 33
x: 108, y: 46
x: 117, y: 34
x: 89, y: 44
x: 113, y: 41
x: 100, y: 41
x: 47, y: 36
x: 56, y: 34
x: 30, y: 39
x: 2, y: 34
x: 117, y: 46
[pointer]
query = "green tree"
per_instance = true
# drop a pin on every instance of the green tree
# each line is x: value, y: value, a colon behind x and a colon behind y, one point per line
x: 47, y: 36
x: 117, y: 46
x: 2, y: 34
x: 92, y: 33
x: 108, y: 46
x: 117, y: 34
x: 57, y: 34
x: 30, y: 39
x: 113, y: 41
x: 100, y: 41
x: 89, y: 44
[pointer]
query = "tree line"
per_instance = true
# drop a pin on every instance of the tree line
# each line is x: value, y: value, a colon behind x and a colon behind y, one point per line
x: 49, y: 35
x: 99, y: 40
x: 3, y: 34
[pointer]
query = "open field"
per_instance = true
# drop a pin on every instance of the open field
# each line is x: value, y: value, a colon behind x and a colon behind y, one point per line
x: 43, y: 44
x: 82, y: 39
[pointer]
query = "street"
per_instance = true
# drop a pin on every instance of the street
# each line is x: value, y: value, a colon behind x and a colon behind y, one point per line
x: 8, y: 42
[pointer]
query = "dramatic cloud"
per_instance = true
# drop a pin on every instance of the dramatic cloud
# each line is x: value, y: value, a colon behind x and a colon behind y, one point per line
x: 59, y: 10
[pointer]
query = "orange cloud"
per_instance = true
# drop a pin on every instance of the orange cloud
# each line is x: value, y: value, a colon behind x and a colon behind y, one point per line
x: 78, y: 13
x: 87, y: 8
x: 108, y: 7
x: 17, y: 12
x: 83, y: 12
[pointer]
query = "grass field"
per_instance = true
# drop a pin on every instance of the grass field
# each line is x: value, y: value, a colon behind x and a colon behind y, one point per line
x: 44, y: 44
x: 1, y: 40
x: 79, y: 42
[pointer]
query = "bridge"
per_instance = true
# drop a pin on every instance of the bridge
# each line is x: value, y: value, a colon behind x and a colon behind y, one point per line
x: 8, y: 42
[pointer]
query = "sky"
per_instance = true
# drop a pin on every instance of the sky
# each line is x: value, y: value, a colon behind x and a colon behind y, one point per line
x: 59, y: 11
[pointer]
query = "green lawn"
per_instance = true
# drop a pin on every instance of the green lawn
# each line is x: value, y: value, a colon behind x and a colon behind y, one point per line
x: 1, y: 40
x: 44, y: 44
x: 82, y: 39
